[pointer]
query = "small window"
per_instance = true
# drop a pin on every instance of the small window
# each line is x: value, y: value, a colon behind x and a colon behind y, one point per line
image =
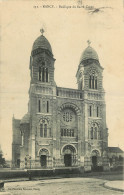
x: 50, y: 133
x: 90, y: 82
x: 97, y: 111
x: 47, y: 106
x: 46, y: 74
x: 95, y: 83
x: 39, y: 73
x: 41, y: 130
x: 39, y: 106
x: 43, y: 73
x: 90, y: 110
x: 45, y: 130
x: 91, y: 132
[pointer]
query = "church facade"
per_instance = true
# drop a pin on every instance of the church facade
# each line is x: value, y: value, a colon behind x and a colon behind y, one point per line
x: 63, y: 127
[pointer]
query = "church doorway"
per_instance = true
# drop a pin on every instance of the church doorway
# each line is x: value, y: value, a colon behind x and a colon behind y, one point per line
x: 69, y: 155
x: 18, y: 163
x: 43, y: 161
x: 44, y: 157
x: 94, y: 161
x: 68, y: 160
x: 95, y: 156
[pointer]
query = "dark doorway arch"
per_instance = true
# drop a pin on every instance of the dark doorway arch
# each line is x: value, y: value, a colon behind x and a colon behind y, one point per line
x: 68, y: 160
x: 43, y: 161
x: 69, y: 153
x: 44, y: 154
x: 95, y: 154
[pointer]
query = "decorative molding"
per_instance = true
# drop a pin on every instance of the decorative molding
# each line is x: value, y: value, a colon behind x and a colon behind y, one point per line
x: 70, y: 105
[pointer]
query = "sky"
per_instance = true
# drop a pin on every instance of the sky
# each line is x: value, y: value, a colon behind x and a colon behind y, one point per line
x: 67, y: 31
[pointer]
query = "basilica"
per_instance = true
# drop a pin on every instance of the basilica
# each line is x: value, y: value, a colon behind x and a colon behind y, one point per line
x: 63, y: 127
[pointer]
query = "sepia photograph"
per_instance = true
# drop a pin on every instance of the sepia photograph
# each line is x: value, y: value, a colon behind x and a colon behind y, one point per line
x: 61, y: 97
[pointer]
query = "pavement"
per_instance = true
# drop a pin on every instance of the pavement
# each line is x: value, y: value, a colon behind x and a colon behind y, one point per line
x: 115, y: 185
x: 112, y: 185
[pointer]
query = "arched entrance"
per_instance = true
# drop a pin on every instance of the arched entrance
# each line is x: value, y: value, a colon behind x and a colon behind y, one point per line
x: 94, y: 155
x: 44, y: 154
x: 69, y: 154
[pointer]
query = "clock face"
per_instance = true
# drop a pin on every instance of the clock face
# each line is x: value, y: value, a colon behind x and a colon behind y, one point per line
x: 68, y: 116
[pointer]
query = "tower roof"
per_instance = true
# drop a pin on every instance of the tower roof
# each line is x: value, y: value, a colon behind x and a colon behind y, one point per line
x: 43, y: 43
x: 89, y: 53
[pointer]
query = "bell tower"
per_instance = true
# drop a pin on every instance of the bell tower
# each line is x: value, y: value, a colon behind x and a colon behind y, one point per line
x: 90, y: 81
x: 42, y: 62
x: 89, y: 74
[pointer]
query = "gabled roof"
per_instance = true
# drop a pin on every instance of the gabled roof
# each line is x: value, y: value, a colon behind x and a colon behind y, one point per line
x: 115, y: 150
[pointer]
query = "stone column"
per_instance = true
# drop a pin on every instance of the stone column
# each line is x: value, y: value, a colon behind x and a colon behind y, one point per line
x: 58, y: 140
x: 33, y: 151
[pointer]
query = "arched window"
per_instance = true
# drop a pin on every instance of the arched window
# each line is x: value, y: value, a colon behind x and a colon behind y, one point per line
x: 94, y: 132
x: 68, y: 123
x: 44, y: 127
x: 43, y: 130
x: 92, y: 82
x: 43, y: 74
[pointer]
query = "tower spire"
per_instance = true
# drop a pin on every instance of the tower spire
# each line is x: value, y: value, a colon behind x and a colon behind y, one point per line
x: 42, y: 31
x: 89, y: 42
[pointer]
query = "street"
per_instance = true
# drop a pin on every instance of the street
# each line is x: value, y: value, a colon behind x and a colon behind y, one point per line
x: 66, y: 186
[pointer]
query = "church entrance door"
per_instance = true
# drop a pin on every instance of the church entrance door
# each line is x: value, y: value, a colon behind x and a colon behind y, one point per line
x: 95, y: 155
x: 94, y: 161
x: 43, y: 161
x: 68, y: 160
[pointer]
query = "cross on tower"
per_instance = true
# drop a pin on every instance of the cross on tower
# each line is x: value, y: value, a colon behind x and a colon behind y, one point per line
x: 89, y: 42
x: 42, y: 31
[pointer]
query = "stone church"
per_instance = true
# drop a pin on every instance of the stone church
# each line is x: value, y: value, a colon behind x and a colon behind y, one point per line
x: 63, y: 127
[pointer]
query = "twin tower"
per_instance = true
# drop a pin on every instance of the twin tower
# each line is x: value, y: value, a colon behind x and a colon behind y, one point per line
x: 63, y: 127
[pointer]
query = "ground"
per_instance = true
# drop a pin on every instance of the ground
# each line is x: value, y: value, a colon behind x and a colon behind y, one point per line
x: 66, y: 186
